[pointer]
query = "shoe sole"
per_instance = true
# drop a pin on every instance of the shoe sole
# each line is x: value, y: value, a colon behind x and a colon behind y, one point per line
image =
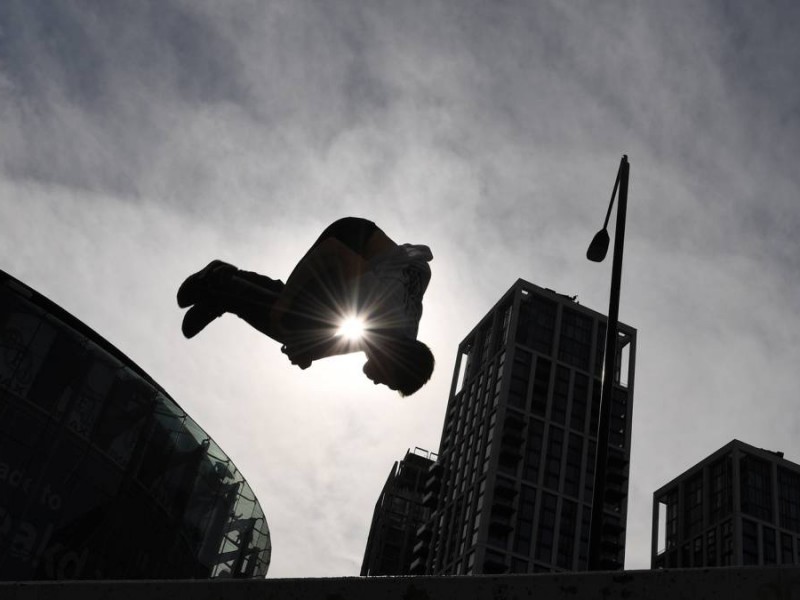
x: 197, y: 318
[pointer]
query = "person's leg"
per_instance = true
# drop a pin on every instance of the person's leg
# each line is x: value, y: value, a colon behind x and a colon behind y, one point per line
x: 221, y: 288
x: 254, y: 295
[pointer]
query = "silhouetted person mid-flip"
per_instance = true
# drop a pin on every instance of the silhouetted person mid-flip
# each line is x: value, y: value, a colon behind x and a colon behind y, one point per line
x: 353, y: 270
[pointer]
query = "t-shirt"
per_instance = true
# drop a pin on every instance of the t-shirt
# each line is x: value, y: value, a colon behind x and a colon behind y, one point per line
x: 392, y: 290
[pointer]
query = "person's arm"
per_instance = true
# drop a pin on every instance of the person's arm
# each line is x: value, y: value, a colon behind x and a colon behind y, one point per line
x: 303, y: 356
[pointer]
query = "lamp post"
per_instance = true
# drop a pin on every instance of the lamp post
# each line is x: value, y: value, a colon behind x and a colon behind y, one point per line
x: 597, y: 252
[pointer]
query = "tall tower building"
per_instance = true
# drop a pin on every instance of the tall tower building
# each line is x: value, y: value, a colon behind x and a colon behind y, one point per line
x: 398, y: 514
x: 740, y: 506
x: 512, y: 488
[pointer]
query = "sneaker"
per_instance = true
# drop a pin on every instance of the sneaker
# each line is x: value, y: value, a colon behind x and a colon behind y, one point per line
x: 197, y: 318
x: 197, y: 286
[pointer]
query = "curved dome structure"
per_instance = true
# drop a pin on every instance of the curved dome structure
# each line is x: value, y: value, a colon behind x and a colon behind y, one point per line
x: 102, y: 475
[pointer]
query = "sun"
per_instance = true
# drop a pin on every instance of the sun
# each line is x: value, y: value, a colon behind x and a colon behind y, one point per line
x: 352, y: 328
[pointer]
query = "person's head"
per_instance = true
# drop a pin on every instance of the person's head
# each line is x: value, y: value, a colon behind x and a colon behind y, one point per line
x: 402, y: 365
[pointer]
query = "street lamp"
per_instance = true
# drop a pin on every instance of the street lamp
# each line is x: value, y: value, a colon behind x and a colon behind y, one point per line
x: 597, y: 252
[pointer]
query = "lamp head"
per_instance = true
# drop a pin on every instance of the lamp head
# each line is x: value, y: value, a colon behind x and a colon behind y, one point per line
x: 599, y: 246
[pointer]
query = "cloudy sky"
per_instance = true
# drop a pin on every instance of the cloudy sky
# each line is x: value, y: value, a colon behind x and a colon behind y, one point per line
x: 141, y: 139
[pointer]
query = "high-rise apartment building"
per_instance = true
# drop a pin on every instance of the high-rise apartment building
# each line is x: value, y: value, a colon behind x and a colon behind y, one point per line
x: 398, y: 514
x: 512, y: 488
x: 740, y: 506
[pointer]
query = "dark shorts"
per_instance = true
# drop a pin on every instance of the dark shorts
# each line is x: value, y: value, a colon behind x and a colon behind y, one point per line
x: 353, y: 232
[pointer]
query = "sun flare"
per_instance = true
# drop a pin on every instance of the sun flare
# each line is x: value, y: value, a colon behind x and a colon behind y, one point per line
x: 352, y: 328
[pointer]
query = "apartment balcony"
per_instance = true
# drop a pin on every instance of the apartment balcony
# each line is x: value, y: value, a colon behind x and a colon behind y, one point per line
x: 616, y: 461
x: 616, y: 477
x: 418, y: 566
x: 436, y: 469
x: 425, y: 532
x: 421, y: 549
x: 433, y: 484
x: 430, y: 500
x: 615, y: 494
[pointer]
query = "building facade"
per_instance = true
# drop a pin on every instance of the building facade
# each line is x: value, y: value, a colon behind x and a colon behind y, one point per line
x: 398, y: 514
x: 740, y: 506
x: 512, y: 488
x: 102, y: 474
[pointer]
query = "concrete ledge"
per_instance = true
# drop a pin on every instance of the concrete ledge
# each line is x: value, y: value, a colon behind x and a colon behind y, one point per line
x: 747, y: 583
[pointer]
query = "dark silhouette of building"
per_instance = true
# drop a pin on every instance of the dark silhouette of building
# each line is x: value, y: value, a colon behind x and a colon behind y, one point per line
x: 398, y: 514
x: 102, y: 474
x: 512, y: 487
x: 740, y: 506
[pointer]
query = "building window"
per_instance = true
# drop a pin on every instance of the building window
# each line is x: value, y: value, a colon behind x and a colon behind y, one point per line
x: 693, y: 503
x: 583, y: 549
x: 572, y: 474
x: 558, y: 411
x: 520, y: 375
x: 580, y: 390
x: 711, y: 548
x: 523, y: 532
x: 546, y: 529
x: 566, y: 534
x: 599, y: 350
x: 576, y: 339
x: 720, y: 493
x: 588, y: 482
x: 502, y: 339
x: 597, y: 392
x: 789, y: 499
x: 533, y: 451
x: 697, y: 552
x: 555, y: 447
x: 541, y: 387
x: 770, y: 552
x: 536, y: 323
x: 726, y: 544
x: 756, y: 488
x: 787, y: 549
x: 749, y: 542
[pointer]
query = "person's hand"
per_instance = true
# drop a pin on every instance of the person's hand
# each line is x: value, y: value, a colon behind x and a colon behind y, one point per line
x: 301, y: 359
